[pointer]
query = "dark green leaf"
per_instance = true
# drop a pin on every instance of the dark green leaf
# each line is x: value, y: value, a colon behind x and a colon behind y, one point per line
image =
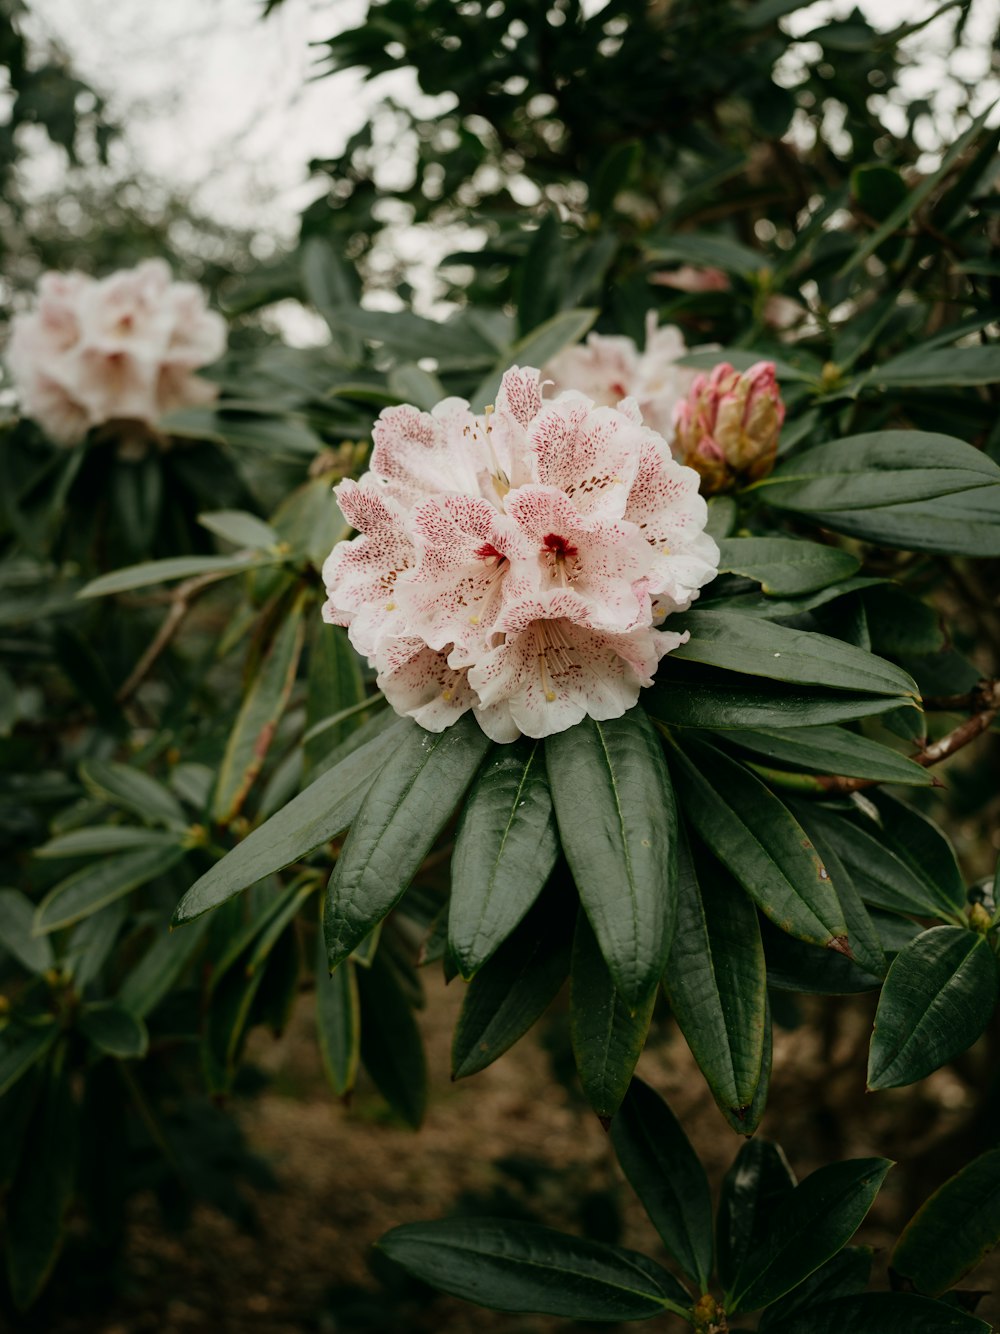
x: 115, y: 1031
x: 938, y: 997
x: 924, y: 847
x: 831, y: 750
x: 754, y: 1190
x: 132, y: 790
x: 176, y: 567
x: 335, y: 685
x: 844, y: 1275
x: 338, y: 1022
x: 760, y: 648
x: 665, y: 1173
x: 756, y: 837
x: 618, y: 826
x: 716, y: 983
x: 607, y: 1036
x: 101, y: 883
x: 320, y: 813
x: 815, y: 1220
x: 785, y: 566
x: 20, y: 1050
x: 514, y: 1266
x: 405, y: 809
x: 505, y: 849
x: 881, y: 1313
x: 159, y: 968
x: 391, y: 1047
x: 953, y: 1230
x: 749, y: 702
x: 17, y: 916
x: 108, y: 838
x: 535, y: 349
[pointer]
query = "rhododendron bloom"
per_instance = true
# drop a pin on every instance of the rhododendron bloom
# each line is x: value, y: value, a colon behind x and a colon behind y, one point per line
x: 518, y: 562
x: 609, y: 368
x: 727, y: 429
x: 122, y: 348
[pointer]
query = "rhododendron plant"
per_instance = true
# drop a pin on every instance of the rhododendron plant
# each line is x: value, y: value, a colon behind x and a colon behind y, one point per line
x: 121, y: 348
x: 517, y: 563
x: 727, y: 428
x: 609, y: 368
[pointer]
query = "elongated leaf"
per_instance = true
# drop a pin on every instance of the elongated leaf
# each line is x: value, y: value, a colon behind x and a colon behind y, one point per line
x: 17, y: 916
x: 938, y: 997
x: 618, y: 826
x: 752, y: 702
x: 165, y: 571
x: 765, y: 849
x: 881, y: 1313
x: 505, y: 849
x: 815, y: 1220
x: 240, y: 528
x: 159, y: 968
x: 514, y: 1266
x: 259, y: 715
x: 785, y: 566
x: 338, y: 1022
x: 132, y: 790
x: 411, y: 384
x: 922, y: 368
x: 115, y: 1031
x: 41, y: 1192
x: 844, y: 1275
x: 20, y: 1050
x: 924, y: 847
x: 321, y: 812
x: 335, y: 684
x: 405, y: 809
x: 755, y: 1188
x: 391, y: 1047
x: 953, y: 1230
x: 513, y: 988
x: 101, y: 883
x: 664, y: 1171
x: 760, y: 648
x: 607, y: 1036
x: 108, y: 838
x: 716, y: 983
x: 914, y: 489
x: 832, y: 750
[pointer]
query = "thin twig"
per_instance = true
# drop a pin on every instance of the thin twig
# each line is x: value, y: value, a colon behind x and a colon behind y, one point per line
x: 180, y: 604
x: 984, y: 703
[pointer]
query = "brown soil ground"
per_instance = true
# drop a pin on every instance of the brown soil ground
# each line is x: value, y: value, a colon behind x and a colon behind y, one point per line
x: 347, y: 1175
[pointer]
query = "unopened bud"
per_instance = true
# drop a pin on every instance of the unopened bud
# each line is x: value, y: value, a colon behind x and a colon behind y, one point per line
x: 727, y: 428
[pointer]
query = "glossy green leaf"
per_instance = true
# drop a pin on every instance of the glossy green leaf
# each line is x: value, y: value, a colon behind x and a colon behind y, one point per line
x: 815, y: 1220
x: 114, y: 1030
x: 716, y: 983
x: 831, y: 750
x: 42, y: 1190
x: 765, y: 849
x: 924, y: 846
x: 505, y: 849
x: 754, y: 1190
x: 132, y: 790
x: 664, y: 1171
x: 108, y: 838
x: 338, y: 1022
x: 513, y: 988
x: 175, y: 567
x: 618, y: 827
x: 17, y: 918
x: 844, y: 1275
x: 405, y: 809
x: 939, y: 995
x: 515, y: 1266
x: 760, y: 648
x: 100, y: 883
x: 953, y: 1230
x: 881, y: 1313
x: 391, y: 1047
x: 320, y: 813
x: 752, y: 702
x: 785, y: 566
x: 913, y: 489
x: 259, y: 715
x: 607, y: 1036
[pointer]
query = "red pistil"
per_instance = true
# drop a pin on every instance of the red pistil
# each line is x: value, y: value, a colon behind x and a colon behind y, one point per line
x: 489, y: 552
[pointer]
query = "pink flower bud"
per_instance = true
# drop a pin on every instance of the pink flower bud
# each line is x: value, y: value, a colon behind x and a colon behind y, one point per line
x: 727, y: 428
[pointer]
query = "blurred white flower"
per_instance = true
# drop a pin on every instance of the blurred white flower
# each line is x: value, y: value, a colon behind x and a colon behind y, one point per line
x: 121, y: 348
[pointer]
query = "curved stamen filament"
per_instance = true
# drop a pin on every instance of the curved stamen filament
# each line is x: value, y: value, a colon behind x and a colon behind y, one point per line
x: 552, y: 651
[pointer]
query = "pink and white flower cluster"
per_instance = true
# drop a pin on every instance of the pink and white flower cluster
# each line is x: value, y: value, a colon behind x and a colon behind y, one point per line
x: 123, y: 348
x: 517, y: 562
x: 609, y: 367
